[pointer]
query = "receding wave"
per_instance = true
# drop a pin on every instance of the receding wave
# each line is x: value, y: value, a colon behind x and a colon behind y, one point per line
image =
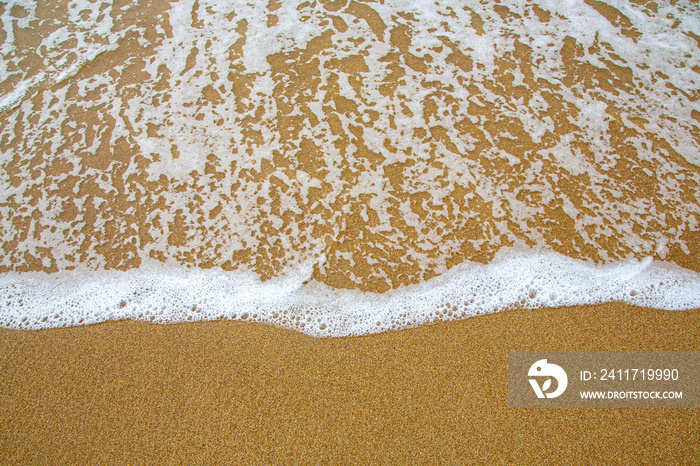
x: 380, y: 144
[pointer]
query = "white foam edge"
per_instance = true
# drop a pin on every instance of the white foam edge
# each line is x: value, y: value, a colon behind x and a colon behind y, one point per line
x: 174, y: 294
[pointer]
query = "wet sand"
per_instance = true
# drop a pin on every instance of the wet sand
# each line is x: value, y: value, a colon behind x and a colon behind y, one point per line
x: 241, y: 393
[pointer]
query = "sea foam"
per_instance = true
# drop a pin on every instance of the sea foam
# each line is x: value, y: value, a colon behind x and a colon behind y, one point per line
x: 236, y: 135
x: 170, y: 294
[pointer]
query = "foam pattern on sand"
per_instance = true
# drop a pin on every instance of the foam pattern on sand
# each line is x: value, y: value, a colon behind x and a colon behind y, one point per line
x: 164, y: 294
x: 44, y: 43
x: 385, y: 142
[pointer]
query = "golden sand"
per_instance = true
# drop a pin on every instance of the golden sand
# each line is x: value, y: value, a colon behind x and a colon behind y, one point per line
x: 240, y: 393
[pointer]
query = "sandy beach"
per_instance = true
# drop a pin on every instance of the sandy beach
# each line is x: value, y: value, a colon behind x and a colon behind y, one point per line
x: 382, y: 144
x: 237, y: 393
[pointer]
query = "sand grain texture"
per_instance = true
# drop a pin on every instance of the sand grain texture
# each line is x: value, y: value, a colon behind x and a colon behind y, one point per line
x: 237, y: 393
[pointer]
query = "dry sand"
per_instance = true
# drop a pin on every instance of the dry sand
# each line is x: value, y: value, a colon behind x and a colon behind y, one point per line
x: 240, y: 393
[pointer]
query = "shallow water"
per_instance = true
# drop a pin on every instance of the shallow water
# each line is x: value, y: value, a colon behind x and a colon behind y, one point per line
x: 360, y: 145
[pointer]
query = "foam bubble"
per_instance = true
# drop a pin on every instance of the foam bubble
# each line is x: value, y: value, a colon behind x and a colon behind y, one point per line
x: 169, y: 294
